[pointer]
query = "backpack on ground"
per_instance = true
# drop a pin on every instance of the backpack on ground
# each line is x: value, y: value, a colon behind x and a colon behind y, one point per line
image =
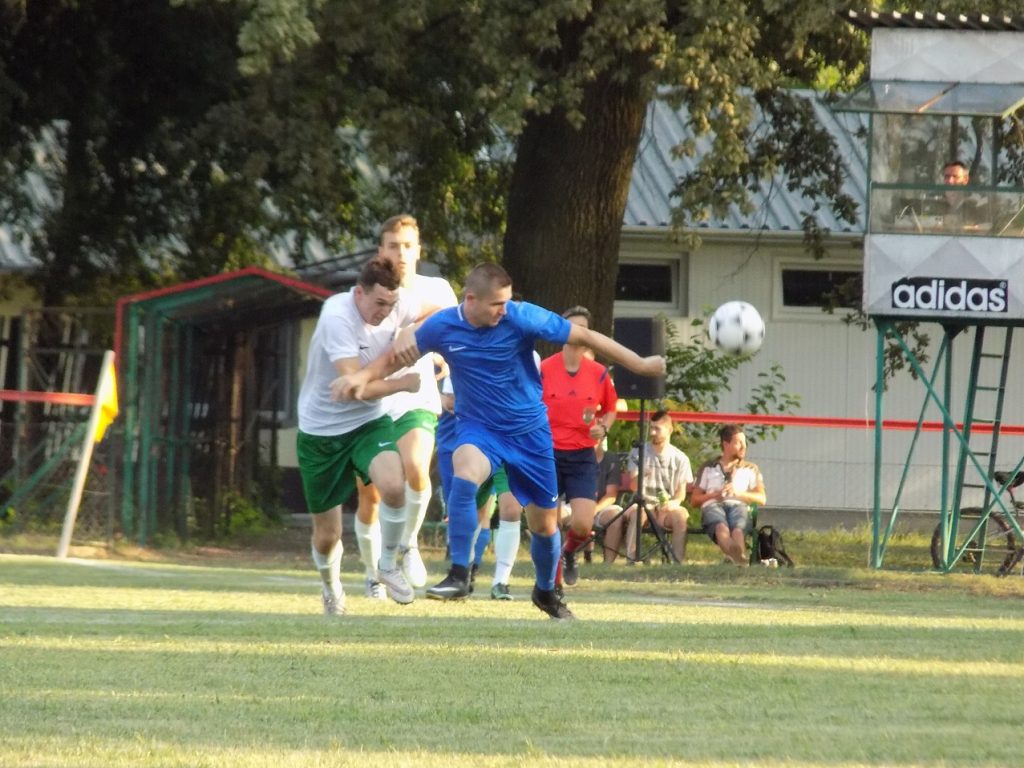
x: 769, y: 545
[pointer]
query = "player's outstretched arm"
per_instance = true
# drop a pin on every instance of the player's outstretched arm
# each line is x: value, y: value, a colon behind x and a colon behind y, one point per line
x: 616, y: 353
x: 355, y: 383
x: 368, y: 383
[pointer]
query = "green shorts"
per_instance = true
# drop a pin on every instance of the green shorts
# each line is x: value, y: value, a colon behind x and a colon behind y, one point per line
x: 500, y: 480
x: 497, y: 484
x: 417, y: 418
x: 328, y: 465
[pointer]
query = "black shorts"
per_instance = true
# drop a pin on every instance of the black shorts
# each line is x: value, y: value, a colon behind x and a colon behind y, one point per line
x: 577, y: 473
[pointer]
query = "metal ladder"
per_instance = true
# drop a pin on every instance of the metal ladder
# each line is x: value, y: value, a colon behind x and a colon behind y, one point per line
x: 986, y: 391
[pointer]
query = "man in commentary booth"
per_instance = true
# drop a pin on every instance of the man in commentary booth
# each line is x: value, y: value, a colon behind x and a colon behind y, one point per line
x: 954, y: 210
x: 961, y: 211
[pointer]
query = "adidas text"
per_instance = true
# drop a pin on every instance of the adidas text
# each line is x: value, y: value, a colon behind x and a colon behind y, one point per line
x: 949, y: 294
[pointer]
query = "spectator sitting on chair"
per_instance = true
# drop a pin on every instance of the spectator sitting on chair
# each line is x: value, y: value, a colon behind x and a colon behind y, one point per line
x: 725, y: 489
x: 667, y: 477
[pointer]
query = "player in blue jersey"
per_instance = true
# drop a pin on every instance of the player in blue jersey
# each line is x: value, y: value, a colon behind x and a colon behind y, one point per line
x: 487, y: 342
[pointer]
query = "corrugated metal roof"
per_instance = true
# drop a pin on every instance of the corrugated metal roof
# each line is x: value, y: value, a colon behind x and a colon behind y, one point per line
x: 337, y: 272
x: 341, y: 272
x: 776, y: 208
x: 935, y: 20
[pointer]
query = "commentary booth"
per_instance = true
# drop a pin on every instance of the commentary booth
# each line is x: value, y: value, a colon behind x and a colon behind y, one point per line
x: 945, y: 245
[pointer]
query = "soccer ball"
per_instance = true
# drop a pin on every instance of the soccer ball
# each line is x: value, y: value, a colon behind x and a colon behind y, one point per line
x: 736, y: 328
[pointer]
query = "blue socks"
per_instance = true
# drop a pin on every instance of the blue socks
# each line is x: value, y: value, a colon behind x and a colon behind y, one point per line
x: 545, y: 551
x: 461, y: 520
x: 482, y: 540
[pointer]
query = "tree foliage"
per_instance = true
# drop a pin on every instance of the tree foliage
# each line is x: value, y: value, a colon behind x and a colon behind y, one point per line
x: 198, y: 135
x: 566, y: 86
x: 202, y: 134
x: 698, y: 376
x: 161, y: 161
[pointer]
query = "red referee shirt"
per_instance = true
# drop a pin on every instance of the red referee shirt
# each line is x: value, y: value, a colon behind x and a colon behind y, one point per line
x: 570, y: 398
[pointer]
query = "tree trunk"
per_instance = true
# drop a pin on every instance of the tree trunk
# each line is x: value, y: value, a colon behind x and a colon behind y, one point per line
x: 567, y: 199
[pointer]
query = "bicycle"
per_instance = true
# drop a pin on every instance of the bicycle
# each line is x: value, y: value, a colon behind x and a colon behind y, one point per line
x: 996, y: 539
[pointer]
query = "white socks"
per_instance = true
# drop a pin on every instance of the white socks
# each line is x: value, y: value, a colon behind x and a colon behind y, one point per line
x: 416, y: 503
x: 392, y: 526
x: 329, y: 566
x: 368, y: 538
x: 379, y: 541
x: 506, y: 546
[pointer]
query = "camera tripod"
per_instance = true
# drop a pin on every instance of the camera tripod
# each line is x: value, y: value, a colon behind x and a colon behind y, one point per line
x: 644, y: 507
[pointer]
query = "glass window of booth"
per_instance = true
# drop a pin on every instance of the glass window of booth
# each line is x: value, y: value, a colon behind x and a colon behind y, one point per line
x: 956, y: 174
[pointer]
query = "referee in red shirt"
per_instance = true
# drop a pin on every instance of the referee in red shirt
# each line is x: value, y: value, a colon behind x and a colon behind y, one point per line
x: 580, y: 398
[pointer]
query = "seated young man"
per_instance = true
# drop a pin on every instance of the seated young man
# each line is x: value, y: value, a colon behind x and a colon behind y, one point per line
x: 667, y: 477
x: 725, y: 489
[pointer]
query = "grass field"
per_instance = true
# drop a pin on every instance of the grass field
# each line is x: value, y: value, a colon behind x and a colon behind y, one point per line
x: 221, y: 658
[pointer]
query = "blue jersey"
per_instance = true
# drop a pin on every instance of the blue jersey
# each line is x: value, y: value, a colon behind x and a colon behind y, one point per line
x: 494, y: 375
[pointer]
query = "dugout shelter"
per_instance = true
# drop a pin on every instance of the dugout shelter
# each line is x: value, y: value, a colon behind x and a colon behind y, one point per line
x: 204, y: 375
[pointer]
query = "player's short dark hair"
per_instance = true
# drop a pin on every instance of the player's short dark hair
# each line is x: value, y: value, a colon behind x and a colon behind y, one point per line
x: 485, y: 277
x: 379, y: 271
x: 728, y: 432
x: 660, y: 414
x: 395, y: 223
x: 956, y: 164
x: 578, y: 311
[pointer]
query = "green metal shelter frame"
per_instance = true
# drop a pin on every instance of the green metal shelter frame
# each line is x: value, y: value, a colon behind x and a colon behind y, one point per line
x: 973, y: 439
x: 158, y: 340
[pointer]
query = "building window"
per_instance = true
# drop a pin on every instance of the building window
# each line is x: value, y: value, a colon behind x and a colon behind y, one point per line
x: 649, y: 286
x: 644, y: 282
x: 807, y: 287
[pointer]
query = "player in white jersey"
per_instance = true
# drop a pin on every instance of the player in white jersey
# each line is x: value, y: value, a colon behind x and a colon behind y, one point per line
x: 414, y: 413
x: 339, y: 441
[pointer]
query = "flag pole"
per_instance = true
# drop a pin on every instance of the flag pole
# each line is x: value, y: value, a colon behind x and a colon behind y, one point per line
x: 104, y: 388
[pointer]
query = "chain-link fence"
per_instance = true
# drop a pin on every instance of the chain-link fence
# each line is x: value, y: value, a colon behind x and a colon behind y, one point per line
x: 38, y: 461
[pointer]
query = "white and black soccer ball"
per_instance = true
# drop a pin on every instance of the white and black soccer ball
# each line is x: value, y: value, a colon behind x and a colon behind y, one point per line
x: 736, y: 328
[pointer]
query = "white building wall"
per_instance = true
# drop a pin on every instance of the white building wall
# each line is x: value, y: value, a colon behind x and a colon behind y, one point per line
x: 287, y: 455
x: 831, y: 366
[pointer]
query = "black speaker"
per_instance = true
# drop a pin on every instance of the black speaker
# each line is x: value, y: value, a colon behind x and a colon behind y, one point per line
x: 645, y: 336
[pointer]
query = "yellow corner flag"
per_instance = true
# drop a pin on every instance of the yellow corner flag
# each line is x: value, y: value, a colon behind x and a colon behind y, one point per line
x: 107, y: 398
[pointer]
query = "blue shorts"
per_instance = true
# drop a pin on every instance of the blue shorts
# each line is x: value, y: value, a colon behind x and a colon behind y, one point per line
x: 732, y: 513
x: 577, y: 473
x: 497, y: 484
x: 528, y: 458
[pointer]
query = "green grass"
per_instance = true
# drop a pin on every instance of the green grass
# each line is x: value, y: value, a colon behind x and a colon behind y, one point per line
x: 221, y: 658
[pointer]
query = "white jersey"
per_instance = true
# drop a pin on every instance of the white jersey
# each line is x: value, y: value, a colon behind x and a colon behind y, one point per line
x: 426, y: 291
x: 712, y: 478
x: 341, y: 333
